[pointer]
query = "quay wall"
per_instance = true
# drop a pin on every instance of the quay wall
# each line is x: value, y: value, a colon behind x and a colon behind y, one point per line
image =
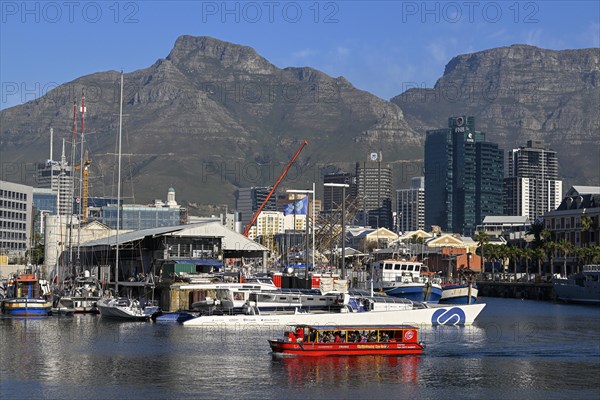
x: 517, y: 290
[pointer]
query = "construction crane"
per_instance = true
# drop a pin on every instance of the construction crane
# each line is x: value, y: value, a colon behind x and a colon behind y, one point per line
x: 283, y: 174
x: 85, y: 186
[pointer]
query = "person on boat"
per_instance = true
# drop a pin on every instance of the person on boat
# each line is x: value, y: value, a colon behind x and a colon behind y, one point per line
x: 385, y: 337
x: 299, y: 334
x: 363, y: 338
x: 338, y: 338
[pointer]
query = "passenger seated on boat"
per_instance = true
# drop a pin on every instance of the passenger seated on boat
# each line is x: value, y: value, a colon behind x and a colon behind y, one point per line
x: 363, y: 338
x: 313, y: 336
x: 385, y: 337
x: 338, y: 338
x: 372, y: 337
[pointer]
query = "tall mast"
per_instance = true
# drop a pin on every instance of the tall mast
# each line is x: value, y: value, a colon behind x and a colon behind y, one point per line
x: 119, y: 191
x: 73, y: 150
x: 81, y: 201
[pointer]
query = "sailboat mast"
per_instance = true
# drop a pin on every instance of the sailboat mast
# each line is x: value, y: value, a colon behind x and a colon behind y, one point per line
x: 119, y: 190
x: 71, y: 175
x: 80, y: 204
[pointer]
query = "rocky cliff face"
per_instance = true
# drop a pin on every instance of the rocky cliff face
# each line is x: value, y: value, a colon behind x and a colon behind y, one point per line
x: 210, y: 117
x: 213, y: 116
x: 518, y: 93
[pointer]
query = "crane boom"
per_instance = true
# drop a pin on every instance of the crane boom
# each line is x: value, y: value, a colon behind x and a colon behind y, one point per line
x: 283, y: 174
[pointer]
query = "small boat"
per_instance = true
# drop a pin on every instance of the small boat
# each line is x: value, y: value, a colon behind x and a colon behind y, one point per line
x: 125, y: 308
x: 352, y: 340
x: 582, y: 287
x: 459, y: 293
x: 407, y: 279
x: 82, y: 294
x: 27, y: 296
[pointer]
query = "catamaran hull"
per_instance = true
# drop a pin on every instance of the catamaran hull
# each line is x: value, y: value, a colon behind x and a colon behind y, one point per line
x: 434, y: 315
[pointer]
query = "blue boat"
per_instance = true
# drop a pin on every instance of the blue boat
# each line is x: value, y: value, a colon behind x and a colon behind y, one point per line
x: 176, y: 317
x: 407, y: 279
x: 27, y: 296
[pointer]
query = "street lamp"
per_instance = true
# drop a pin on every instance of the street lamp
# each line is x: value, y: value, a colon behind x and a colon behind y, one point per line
x: 343, y: 186
x: 313, y: 228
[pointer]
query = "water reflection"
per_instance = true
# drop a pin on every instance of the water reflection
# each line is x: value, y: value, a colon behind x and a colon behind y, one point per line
x: 347, y: 370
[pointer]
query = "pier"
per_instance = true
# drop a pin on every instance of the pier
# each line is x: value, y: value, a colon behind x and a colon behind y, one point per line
x: 509, y: 288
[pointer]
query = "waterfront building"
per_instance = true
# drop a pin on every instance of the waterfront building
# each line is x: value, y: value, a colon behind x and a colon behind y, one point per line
x: 374, y: 190
x: 410, y: 206
x: 15, y: 219
x: 531, y: 186
x: 463, y: 177
x: 577, y: 218
x: 136, y: 217
x: 509, y: 227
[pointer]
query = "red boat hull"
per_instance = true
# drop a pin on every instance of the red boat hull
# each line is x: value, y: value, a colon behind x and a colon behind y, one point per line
x: 345, y: 349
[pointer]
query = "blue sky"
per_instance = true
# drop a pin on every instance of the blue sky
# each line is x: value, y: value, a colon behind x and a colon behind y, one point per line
x: 382, y: 46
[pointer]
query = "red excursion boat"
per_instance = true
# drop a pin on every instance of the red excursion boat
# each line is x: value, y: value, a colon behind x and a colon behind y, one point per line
x: 354, y: 340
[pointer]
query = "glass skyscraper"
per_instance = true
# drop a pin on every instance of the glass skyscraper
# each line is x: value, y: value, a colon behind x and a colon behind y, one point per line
x: 463, y: 177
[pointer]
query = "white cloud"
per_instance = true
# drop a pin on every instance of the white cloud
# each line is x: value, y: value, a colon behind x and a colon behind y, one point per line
x: 533, y: 37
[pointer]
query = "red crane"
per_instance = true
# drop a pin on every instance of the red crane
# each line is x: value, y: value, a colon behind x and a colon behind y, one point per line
x: 285, y: 171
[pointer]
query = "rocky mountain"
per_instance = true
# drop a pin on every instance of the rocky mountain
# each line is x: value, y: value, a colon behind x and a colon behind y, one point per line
x: 210, y: 117
x: 213, y: 116
x: 518, y: 93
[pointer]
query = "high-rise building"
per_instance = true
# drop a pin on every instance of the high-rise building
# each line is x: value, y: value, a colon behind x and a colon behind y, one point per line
x: 332, y: 196
x: 15, y: 219
x: 249, y: 199
x: 463, y: 177
x: 58, y: 176
x: 410, y: 206
x: 374, y: 190
x: 531, y: 186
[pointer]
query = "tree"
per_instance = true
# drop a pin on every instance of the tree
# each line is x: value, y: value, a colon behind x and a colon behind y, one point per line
x: 566, y: 248
x: 483, y: 239
x: 541, y: 256
x: 550, y: 248
x: 527, y: 254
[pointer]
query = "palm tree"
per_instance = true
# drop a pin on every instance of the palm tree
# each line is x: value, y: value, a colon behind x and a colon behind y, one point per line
x: 541, y: 256
x: 550, y: 248
x: 566, y: 248
x: 536, y: 230
x: 483, y: 239
x: 527, y: 254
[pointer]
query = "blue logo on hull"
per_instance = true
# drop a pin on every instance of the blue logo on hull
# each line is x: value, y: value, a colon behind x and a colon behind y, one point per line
x: 452, y: 316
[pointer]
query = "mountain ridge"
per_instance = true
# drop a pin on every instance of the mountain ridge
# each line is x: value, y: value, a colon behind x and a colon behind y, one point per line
x: 213, y: 116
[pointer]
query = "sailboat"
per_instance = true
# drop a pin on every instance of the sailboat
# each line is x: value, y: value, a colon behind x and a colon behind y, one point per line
x: 110, y: 306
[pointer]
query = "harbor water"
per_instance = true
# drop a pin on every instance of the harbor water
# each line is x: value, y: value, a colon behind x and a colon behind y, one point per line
x: 517, y: 349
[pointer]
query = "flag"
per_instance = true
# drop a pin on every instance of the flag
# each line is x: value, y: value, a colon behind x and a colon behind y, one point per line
x: 299, y: 208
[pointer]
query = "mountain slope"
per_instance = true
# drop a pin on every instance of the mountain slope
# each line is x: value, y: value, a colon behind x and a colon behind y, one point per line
x: 518, y: 93
x: 210, y: 117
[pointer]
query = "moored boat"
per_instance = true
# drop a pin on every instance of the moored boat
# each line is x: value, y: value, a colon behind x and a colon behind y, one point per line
x: 407, y: 279
x: 582, y: 287
x: 414, y: 313
x: 352, y: 340
x: 27, y: 296
x: 459, y: 293
x: 125, y: 308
